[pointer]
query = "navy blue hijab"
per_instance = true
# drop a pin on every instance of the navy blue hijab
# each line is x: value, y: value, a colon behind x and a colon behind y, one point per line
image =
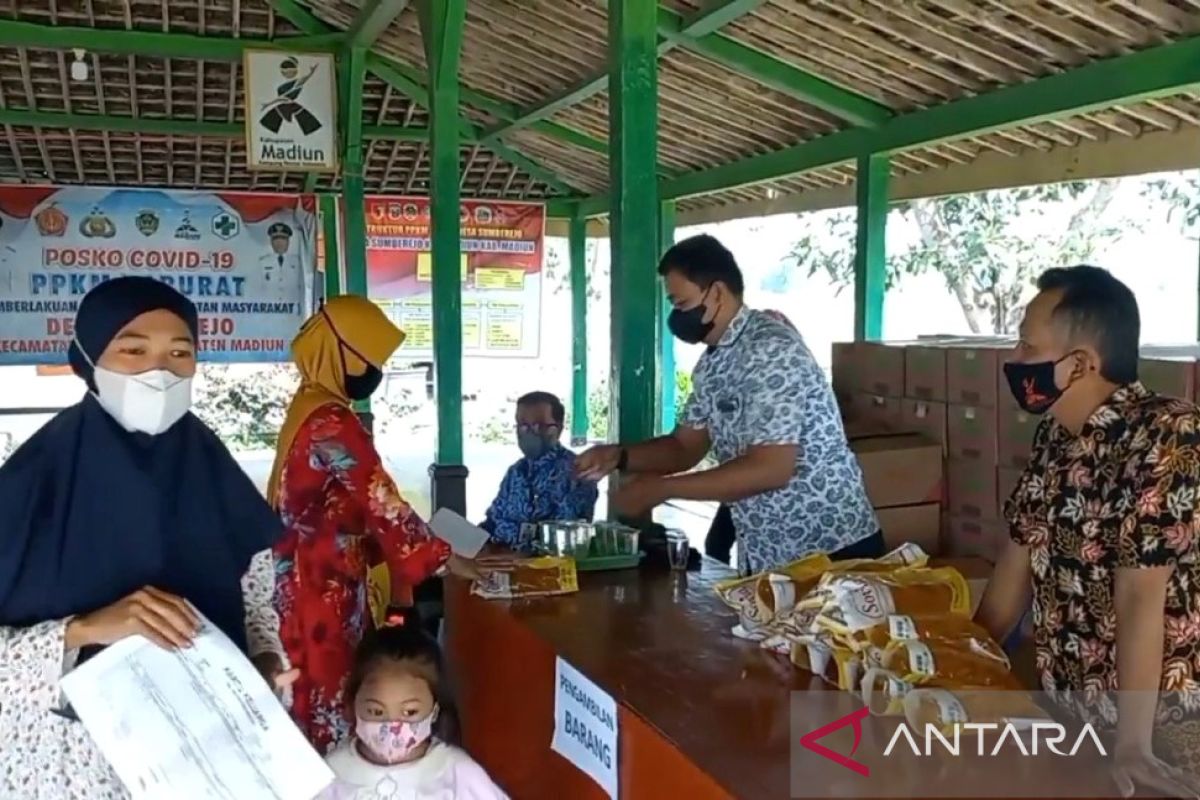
x: 90, y: 513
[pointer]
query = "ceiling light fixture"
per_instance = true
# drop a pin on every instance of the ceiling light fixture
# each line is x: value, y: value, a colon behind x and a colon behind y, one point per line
x: 79, y: 68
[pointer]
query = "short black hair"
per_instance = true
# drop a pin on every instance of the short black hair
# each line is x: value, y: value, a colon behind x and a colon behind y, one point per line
x: 1099, y: 309
x: 409, y: 643
x: 703, y: 261
x: 545, y: 398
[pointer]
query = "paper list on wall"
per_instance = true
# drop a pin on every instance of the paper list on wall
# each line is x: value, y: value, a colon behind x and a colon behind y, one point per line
x: 504, y: 323
x: 193, y: 724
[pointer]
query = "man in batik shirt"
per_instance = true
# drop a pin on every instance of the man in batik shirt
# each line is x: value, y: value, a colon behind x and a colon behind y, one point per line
x: 763, y: 405
x: 1103, y: 526
x: 542, y: 486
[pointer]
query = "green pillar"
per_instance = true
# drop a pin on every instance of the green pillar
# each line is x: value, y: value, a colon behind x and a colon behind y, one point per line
x: 666, y: 341
x: 330, y: 233
x: 354, y: 203
x: 632, y: 126
x: 577, y: 247
x: 870, y: 246
x: 441, y: 33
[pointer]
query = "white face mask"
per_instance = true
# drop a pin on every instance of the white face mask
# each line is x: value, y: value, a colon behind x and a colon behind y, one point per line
x: 149, y: 402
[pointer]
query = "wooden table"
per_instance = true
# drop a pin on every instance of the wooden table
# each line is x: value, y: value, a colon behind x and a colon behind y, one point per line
x: 702, y: 715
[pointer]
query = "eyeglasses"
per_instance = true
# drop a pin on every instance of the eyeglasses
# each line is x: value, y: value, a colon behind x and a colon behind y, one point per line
x: 536, y: 427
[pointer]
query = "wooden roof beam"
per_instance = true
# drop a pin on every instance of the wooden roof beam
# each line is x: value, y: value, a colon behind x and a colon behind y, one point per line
x: 373, y: 18
x: 701, y: 23
x: 770, y: 71
x: 1154, y: 72
x: 175, y: 127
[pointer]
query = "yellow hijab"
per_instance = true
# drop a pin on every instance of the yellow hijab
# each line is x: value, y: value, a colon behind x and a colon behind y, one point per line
x: 346, y: 331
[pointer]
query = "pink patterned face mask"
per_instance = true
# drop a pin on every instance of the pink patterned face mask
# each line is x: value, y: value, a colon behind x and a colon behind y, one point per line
x: 393, y: 741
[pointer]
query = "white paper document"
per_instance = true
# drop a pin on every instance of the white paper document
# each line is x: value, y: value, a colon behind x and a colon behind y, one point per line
x: 195, y: 724
x: 465, y: 539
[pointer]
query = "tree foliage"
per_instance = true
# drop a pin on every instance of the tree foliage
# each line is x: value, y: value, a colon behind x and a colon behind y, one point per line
x: 245, y: 405
x: 988, y: 247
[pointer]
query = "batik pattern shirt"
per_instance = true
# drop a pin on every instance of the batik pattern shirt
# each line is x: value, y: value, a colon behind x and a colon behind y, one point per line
x: 1120, y: 495
x: 760, y: 385
x: 540, y: 490
x: 341, y: 512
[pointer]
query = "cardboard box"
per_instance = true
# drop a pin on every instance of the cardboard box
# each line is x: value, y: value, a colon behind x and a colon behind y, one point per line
x: 1014, y: 430
x: 927, y: 418
x: 925, y: 372
x: 842, y: 368
x: 974, y: 538
x: 900, y: 470
x: 1174, y: 377
x: 971, y: 489
x: 1006, y: 484
x: 977, y: 571
x: 972, y: 371
x: 871, y: 415
x: 878, y: 368
x: 971, y: 433
x: 919, y: 524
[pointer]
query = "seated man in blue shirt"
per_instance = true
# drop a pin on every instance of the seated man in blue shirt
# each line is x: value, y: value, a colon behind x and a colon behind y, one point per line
x: 542, y: 486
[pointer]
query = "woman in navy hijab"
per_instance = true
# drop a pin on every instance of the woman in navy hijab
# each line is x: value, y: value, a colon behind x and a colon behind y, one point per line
x: 120, y: 516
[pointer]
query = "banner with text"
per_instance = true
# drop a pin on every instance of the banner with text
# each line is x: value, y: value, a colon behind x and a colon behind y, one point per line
x: 246, y: 260
x: 502, y: 247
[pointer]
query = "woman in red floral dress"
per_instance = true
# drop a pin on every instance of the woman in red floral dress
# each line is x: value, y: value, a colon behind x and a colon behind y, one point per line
x: 341, y: 511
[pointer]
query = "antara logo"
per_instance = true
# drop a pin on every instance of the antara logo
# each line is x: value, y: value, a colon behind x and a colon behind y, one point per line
x: 1042, y: 737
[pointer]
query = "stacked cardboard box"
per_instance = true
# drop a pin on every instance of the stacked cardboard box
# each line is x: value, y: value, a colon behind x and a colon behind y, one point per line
x: 952, y: 392
x: 902, y: 467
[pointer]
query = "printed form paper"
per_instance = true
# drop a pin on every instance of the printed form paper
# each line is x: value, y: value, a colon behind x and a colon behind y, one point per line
x: 194, y: 724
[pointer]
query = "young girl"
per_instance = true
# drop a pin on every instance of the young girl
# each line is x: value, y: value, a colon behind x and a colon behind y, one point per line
x: 399, y: 750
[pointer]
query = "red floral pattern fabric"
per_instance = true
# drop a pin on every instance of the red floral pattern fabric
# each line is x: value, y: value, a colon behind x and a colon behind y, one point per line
x: 342, y: 512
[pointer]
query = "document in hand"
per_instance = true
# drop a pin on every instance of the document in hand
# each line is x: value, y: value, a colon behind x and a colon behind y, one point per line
x: 465, y: 539
x: 198, y: 723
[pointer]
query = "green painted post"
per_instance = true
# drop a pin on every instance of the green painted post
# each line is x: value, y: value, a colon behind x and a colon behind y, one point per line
x: 633, y: 140
x: 330, y: 233
x: 870, y: 246
x: 442, y: 24
x: 666, y: 341
x: 353, y: 195
x: 577, y: 247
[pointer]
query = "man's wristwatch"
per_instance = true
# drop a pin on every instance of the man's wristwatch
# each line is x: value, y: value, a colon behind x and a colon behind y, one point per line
x: 623, y: 460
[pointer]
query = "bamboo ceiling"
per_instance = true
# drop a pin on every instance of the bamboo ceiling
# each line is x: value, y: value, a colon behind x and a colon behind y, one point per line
x: 900, y: 55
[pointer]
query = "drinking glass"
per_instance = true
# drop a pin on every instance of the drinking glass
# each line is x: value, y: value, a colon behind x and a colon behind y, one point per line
x: 677, y: 549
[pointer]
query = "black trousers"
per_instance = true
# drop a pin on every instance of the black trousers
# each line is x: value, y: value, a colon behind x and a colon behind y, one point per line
x: 721, y: 537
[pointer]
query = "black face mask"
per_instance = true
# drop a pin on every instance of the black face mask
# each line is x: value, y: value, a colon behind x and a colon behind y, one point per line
x: 360, y: 387
x: 1033, y: 385
x: 688, y: 325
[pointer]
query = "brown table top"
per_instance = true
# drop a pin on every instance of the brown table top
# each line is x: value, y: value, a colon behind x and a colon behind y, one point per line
x: 661, y: 645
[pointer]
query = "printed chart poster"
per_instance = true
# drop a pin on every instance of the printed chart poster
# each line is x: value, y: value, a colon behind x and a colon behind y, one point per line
x: 501, y: 269
x: 291, y: 111
x: 246, y: 260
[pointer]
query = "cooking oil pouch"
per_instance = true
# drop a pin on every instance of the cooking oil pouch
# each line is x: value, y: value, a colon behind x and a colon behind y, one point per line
x: 965, y: 662
x: 883, y: 692
x: 923, y: 627
x: 947, y: 709
x: 532, y: 577
x: 741, y: 594
x: 856, y: 602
